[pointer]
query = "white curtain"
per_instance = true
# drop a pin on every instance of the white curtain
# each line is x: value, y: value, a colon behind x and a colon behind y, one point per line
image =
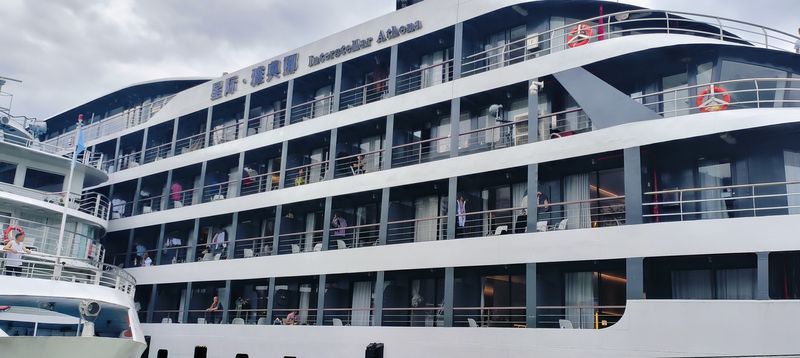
x: 579, y: 297
x: 305, y: 299
x: 426, y: 207
x: 309, y: 241
x: 692, y: 284
x: 576, y: 188
x: 361, y: 213
x: 736, y: 284
x: 432, y: 76
x: 791, y: 162
x: 712, y: 207
x: 322, y: 107
x: 362, y: 302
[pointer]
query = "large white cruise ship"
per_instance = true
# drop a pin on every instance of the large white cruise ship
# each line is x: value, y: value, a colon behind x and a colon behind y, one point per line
x: 466, y: 179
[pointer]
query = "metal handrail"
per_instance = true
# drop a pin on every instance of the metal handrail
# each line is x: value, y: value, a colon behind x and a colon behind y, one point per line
x: 75, y: 270
x: 561, y: 32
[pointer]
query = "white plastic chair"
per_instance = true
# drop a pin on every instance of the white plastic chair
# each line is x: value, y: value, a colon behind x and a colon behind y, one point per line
x: 565, y: 324
x: 265, y: 250
x: 337, y: 322
x: 341, y: 245
x: 238, y: 321
x: 208, y: 256
x: 295, y: 248
x: 262, y: 321
x: 472, y: 322
x: 166, y: 320
x: 147, y: 210
x: 317, y: 247
x: 562, y: 225
x: 217, y: 256
x: 541, y: 226
x: 201, y: 320
x: 501, y: 229
x: 248, y: 253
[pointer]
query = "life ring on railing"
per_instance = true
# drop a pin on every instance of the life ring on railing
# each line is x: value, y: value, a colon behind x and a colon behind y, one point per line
x: 713, y: 104
x: 579, y: 35
x: 8, y: 230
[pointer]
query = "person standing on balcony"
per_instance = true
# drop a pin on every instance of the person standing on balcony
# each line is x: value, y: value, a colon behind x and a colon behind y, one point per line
x: 214, y: 311
x: 14, y: 250
x: 140, y: 251
x: 146, y: 260
x: 461, y: 213
x: 218, y: 242
x: 340, y: 224
x: 175, y: 194
x: 301, y: 177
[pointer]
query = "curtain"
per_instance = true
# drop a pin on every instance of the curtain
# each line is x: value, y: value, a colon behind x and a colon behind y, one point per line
x: 711, y: 206
x: 425, y: 208
x: 322, y: 107
x: 736, y: 284
x: 692, y: 285
x: 791, y: 162
x: 495, y: 50
x: 362, y: 302
x: 361, y: 214
x: 309, y: 240
x: 576, y: 188
x: 305, y: 299
x: 579, y: 297
x: 432, y: 76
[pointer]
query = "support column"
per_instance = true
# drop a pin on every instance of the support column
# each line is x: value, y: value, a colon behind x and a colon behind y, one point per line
x: 191, y: 253
x: 117, y: 156
x: 207, y: 135
x: 128, y: 258
x: 165, y: 193
x: 383, y: 229
x: 136, y: 198
x: 533, y: 202
x: 238, y: 177
x: 188, y: 298
x: 228, y: 301
x: 289, y: 100
x: 326, y: 223
x: 284, y: 158
x: 151, y: 305
x: 246, y: 113
x: 144, y: 144
x: 455, y: 124
x: 447, y: 303
x: 458, y: 52
x: 160, y: 243
x: 377, y: 312
x: 388, y: 142
x: 533, y: 111
x: 634, y: 273
x: 331, y: 166
x: 174, y: 136
x: 276, y: 235
x: 270, y: 299
x: 199, y: 198
x: 762, y: 275
x: 530, y: 294
x: 452, y: 194
x: 232, y: 236
x: 321, y: 301
x: 633, y: 185
x: 337, y: 88
x: 392, y: 71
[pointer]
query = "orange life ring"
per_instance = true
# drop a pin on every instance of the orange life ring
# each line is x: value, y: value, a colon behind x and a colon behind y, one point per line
x: 579, y: 35
x: 8, y: 230
x: 713, y: 104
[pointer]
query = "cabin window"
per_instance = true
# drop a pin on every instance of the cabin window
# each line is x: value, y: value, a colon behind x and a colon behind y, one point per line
x: 200, y: 352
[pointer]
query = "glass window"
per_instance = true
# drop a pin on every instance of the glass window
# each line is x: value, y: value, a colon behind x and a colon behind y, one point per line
x: 743, y: 92
x: 39, y: 180
x: 7, y: 172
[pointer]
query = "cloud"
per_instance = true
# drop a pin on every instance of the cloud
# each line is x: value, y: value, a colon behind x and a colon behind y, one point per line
x: 71, y: 51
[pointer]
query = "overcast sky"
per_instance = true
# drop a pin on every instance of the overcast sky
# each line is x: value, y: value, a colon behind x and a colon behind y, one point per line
x: 70, y: 51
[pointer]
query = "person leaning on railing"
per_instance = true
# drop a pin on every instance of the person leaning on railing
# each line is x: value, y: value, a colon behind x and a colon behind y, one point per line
x: 14, y: 250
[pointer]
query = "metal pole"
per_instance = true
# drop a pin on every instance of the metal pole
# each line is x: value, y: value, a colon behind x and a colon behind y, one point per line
x: 69, y: 186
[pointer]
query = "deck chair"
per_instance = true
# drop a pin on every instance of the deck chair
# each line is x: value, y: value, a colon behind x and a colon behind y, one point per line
x: 562, y: 225
x: 217, y: 256
x: 565, y: 324
x: 166, y: 320
x: 501, y: 229
x: 262, y: 321
x: 265, y: 250
x: 317, y: 247
x: 472, y: 322
x: 341, y: 245
x: 248, y: 253
x: 208, y: 256
x: 201, y: 320
x: 295, y: 248
x: 541, y: 226
x: 337, y: 322
x: 238, y: 321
